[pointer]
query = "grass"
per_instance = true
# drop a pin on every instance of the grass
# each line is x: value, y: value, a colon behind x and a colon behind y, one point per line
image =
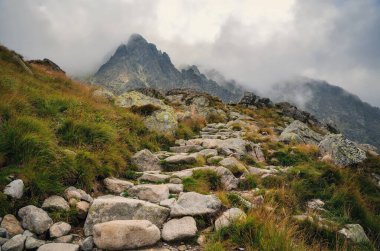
x: 46, y: 115
x: 202, y: 181
x: 261, y: 230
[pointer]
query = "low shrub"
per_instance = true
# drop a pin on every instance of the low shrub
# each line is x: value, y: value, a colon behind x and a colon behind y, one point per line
x: 202, y: 181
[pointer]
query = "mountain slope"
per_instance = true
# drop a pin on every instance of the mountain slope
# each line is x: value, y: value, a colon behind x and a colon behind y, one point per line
x: 138, y: 64
x: 355, y: 118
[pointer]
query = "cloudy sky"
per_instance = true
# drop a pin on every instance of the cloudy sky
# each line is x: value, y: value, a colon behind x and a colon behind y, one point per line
x: 257, y: 42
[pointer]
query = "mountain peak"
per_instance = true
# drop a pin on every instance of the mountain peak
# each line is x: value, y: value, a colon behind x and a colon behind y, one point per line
x: 136, y: 38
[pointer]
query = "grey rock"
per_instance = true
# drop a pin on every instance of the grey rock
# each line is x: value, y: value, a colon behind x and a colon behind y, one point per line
x: 151, y: 193
x: 186, y: 149
x: 82, y: 209
x: 35, y: 219
x: 33, y: 243
x: 167, y: 202
x: 27, y: 233
x: 233, y: 165
x: 65, y: 239
x: 125, y: 234
x: 117, y: 186
x: 87, y: 244
x: 3, y: 240
x: 59, y: 247
x: 15, y: 189
x: 299, y: 132
x: 343, y: 152
x: 144, y: 160
x: 59, y: 229
x: 354, y: 232
x: 228, y: 217
x: 175, y: 188
x: 182, y: 159
x: 175, y: 180
x: 179, y: 229
x: 108, y: 208
x: 207, y: 153
x: 154, y: 176
x: 16, y: 243
x: 55, y: 203
x: 192, y: 203
x: 79, y: 194
x: 3, y: 233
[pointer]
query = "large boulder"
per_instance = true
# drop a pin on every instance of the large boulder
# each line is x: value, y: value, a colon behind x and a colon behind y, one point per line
x: 15, y: 189
x: 299, y: 132
x: 35, y: 219
x: 59, y: 247
x: 158, y: 116
x: 11, y: 225
x: 342, y: 151
x: 109, y: 208
x: 16, y: 243
x: 151, y: 193
x: 144, y: 160
x: 179, y: 229
x: 125, y: 234
x: 228, y: 217
x: 354, y: 232
x: 56, y: 203
x: 182, y: 159
x: 117, y: 185
x: 192, y: 203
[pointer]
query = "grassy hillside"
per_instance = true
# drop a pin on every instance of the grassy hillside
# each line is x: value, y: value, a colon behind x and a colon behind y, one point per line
x: 53, y: 133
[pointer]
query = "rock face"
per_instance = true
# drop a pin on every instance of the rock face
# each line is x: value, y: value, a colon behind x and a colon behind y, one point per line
x: 116, y: 185
x: 157, y: 115
x: 192, y: 203
x: 299, y: 132
x: 35, y: 219
x: 59, y: 247
x: 144, y: 160
x: 138, y: 64
x: 342, y: 151
x: 151, y: 193
x: 11, y: 225
x: 108, y: 208
x: 125, y: 234
x: 251, y: 100
x: 15, y: 189
x: 228, y: 217
x: 354, y: 232
x: 179, y: 229
x: 56, y: 203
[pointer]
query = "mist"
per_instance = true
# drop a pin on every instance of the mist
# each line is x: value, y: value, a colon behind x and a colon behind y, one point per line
x: 258, y: 43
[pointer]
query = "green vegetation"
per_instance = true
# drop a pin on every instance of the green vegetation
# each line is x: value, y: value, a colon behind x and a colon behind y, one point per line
x: 53, y: 134
x: 202, y: 181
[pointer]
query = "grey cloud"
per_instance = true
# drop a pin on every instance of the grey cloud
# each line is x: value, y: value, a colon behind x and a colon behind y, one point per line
x: 337, y: 41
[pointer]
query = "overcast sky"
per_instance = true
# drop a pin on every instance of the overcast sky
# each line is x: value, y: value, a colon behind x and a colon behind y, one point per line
x: 257, y: 42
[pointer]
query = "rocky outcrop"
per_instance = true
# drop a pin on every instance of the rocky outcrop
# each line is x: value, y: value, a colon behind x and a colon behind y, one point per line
x: 343, y: 152
x: 125, y: 234
x: 35, y: 219
x: 157, y: 115
x: 179, y: 229
x: 298, y: 132
x: 192, y: 203
x: 109, y: 208
x: 253, y: 101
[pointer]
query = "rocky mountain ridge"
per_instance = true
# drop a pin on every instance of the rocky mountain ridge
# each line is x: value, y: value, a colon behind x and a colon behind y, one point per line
x: 138, y: 64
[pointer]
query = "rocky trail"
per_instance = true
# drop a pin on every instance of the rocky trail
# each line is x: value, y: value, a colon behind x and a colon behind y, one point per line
x: 154, y: 212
